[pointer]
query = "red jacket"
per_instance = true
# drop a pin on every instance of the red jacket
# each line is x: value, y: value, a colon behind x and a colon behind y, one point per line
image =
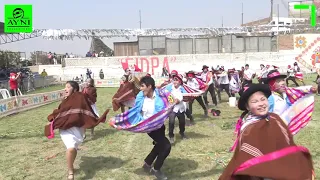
x: 13, y: 82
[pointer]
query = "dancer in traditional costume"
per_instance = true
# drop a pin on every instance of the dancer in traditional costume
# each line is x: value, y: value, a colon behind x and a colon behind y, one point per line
x: 206, y: 77
x: 170, y: 80
x: 298, y: 73
x: 223, y: 82
x: 263, y: 74
x: 235, y: 83
x: 291, y: 76
x: 91, y: 92
x: 72, y: 117
x: 125, y: 96
x: 195, y: 83
x: 179, y: 109
x: 293, y: 105
x: 265, y: 148
x: 152, y: 107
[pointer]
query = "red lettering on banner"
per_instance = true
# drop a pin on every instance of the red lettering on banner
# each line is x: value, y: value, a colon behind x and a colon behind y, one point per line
x: 144, y: 63
x: 45, y: 98
x: 166, y: 64
x: 148, y: 64
x: 153, y: 60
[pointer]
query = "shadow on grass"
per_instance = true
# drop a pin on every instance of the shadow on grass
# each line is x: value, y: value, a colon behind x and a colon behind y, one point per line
x: 213, y: 171
x: 21, y: 135
x: 91, y: 165
x: 174, y: 167
x: 101, y: 133
x: 190, y: 135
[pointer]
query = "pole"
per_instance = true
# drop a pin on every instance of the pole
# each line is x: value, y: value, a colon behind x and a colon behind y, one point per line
x: 278, y: 26
x: 140, y: 22
x: 36, y: 57
x: 271, y: 11
x: 242, y: 15
x: 222, y: 21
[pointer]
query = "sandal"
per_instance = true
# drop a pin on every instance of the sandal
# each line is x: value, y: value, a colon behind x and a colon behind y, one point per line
x: 70, y: 176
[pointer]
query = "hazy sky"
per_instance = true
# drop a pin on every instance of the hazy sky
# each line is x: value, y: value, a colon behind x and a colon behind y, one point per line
x: 110, y: 14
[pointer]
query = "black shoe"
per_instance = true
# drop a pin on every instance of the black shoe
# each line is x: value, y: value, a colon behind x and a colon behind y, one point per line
x: 192, y: 121
x: 159, y: 174
x: 171, y: 139
x: 146, y: 168
x: 206, y: 113
x: 183, y: 137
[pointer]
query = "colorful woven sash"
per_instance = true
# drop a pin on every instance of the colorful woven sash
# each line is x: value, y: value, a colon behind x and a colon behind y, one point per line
x: 133, y: 121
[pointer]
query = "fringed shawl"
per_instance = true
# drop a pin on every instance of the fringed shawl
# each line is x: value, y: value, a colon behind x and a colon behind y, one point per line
x: 188, y: 93
x: 74, y: 111
x: 125, y: 92
x: 132, y: 120
x: 298, y: 115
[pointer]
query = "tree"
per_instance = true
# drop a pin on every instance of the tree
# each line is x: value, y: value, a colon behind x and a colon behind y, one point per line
x: 39, y: 57
x: 9, y: 59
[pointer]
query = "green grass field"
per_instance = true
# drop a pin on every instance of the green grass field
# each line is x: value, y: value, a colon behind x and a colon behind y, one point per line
x: 111, y: 154
x: 47, y: 89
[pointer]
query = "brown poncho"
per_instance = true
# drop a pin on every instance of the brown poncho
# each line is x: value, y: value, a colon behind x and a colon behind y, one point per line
x: 75, y: 111
x: 266, y: 150
x: 91, y: 93
x: 127, y: 91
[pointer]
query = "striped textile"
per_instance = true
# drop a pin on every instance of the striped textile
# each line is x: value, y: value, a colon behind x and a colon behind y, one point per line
x: 298, y: 115
x: 132, y: 121
x: 191, y: 93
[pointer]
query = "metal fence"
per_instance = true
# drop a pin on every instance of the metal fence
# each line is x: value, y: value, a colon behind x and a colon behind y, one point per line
x: 28, y: 84
x: 159, y: 45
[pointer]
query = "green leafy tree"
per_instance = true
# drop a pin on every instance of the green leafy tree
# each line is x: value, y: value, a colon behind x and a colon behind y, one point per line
x: 39, y: 57
x: 9, y: 59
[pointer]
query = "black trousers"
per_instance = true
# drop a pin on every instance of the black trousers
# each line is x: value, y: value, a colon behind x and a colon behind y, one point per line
x: 200, y: 101
x: 226, y: 88
x: 13, y: 92
x: 263, y: 81
x: 293, y: 79
x: 161, y: 148
x: 189, y: 114
x: 182, y: 122
x: 212, y: 92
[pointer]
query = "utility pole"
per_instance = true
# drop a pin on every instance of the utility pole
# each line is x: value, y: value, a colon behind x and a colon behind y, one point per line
x: 222, y: 21
x: 140, y: 22
x: 242, y: 15
x: 278, y: 27
x: 271, y: 13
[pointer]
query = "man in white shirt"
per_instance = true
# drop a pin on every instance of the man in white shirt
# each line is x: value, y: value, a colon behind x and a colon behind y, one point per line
x: 206, y: 77
x: 179, y: 109
x: 291, y: 76
x: 153, y: 104
x: 248, y: 75
x: 223, y: 81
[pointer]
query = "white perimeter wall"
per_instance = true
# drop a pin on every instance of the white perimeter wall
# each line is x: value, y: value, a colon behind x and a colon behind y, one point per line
x: 112, y: 66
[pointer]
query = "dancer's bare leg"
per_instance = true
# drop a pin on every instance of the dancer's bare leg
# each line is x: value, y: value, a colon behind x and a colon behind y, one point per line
x: 71, y: 156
